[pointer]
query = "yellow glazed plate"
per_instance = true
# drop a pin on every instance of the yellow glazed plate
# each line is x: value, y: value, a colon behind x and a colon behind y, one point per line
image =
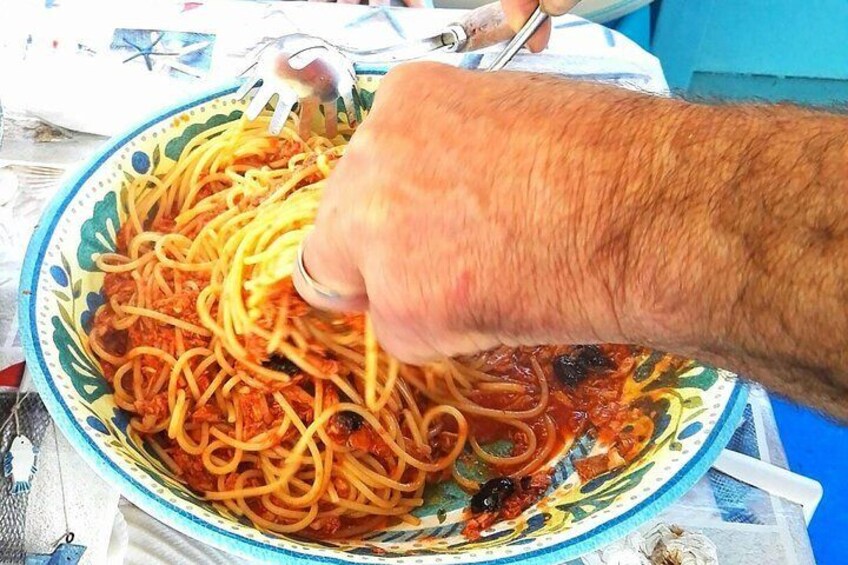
x: 695, y: 408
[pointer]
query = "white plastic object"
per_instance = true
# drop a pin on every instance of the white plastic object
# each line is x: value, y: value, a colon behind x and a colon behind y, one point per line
x: 773, y: 479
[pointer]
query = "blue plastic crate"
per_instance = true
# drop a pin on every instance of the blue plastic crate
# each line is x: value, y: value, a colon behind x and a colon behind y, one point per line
x: 773, y: 50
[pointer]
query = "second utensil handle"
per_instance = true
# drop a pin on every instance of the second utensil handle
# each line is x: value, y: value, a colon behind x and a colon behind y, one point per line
x: 487, y: 25
x: 484, y: 26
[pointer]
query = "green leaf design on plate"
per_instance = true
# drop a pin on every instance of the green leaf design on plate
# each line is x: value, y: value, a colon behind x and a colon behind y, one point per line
x: 471, y: 467
x: 362, y: 101
x: 96, y: 234
x: 66, y: 317
x: 66, y: 265
x: 693, y: 402
x: 85, y: 377
x: 77, y: 289
x: 123, y: 196
x: 603, y: 497
x: 157, y: 156
x: 174, y: 148
x: 671, y: 377
x: 441, y: 497
x: 61, y: 296
x: 499, y: 448
x: 366, y: 99
x: 703, y: 380
x: 448, y: 495
x: 694, y: 415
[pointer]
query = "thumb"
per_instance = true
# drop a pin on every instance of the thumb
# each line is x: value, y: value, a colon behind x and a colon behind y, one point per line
x: 517, y: 12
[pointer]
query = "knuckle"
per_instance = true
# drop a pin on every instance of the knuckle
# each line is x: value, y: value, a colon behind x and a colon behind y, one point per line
x: 410, y: 77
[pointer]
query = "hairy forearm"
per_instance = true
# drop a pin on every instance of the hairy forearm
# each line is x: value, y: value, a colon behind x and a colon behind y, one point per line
x: 473, y: 209
x: 717, y: 232
x: 736, y: 223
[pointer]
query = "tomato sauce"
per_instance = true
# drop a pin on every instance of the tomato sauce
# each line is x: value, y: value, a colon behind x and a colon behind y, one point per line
x: 587, y: 400
x: 584, y: 393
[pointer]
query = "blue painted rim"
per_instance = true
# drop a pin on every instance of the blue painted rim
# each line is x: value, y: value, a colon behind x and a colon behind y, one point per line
x: 213, y: 535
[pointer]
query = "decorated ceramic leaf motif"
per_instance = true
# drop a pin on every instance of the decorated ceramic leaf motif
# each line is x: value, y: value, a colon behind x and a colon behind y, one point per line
x: 175, y: 147
x: 98, y: 232
x: 85, y: 377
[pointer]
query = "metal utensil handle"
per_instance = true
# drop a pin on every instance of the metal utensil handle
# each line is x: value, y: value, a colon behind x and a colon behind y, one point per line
x: 516, y: 43
x: 487, y: 25
x: 482, y: 27
x: 533, y: 23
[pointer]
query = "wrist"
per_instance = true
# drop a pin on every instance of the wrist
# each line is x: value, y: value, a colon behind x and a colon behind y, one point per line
x: 579, y: 205
x: 685, y: 272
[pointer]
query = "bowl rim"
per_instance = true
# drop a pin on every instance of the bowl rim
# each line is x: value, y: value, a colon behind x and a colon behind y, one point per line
x: 234, y: 543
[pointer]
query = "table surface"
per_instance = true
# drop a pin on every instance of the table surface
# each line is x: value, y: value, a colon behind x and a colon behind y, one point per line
x: 745, y: 524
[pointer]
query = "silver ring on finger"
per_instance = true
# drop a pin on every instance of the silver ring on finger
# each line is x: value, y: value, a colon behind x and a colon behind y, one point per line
x: 319, y: 294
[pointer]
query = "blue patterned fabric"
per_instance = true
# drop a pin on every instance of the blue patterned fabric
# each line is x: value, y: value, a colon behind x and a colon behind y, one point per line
x: 736, y: 500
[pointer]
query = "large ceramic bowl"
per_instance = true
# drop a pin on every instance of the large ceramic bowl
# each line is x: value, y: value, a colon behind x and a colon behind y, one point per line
x: 695, y: 408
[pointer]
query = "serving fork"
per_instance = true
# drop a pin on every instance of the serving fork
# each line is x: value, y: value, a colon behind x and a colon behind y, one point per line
x: 303, y: 68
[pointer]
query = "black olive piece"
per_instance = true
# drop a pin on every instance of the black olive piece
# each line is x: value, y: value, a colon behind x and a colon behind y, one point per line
x: 573, y: 367
x: 282, y: 365
x: 492, y: 495
x: 351, y: 421
x: 568, y: 370
x: 592, y: 357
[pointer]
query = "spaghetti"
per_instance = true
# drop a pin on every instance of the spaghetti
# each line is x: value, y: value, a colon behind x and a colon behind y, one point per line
x: 295, y: 418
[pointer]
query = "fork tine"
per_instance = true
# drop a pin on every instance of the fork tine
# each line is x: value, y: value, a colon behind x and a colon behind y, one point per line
x: 350, y: 108
x: 308, y: 109
x: 247, y: 85
x: 260, y: 99
x: 285, y: 102
x: 331, y: 120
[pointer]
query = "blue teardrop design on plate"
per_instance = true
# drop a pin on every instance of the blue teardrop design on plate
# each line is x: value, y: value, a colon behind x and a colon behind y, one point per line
x: 121, y: 420
x: 93, y: 300
x: 96, y: 424
x: 690, y: 430
x: 140, y: 162
x: 86, y: 321
x: 59, y: 275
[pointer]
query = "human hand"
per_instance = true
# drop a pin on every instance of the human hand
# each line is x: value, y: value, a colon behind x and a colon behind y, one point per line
x: 468, y: 210
x: 517, y: 12
x: 473, y: 209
